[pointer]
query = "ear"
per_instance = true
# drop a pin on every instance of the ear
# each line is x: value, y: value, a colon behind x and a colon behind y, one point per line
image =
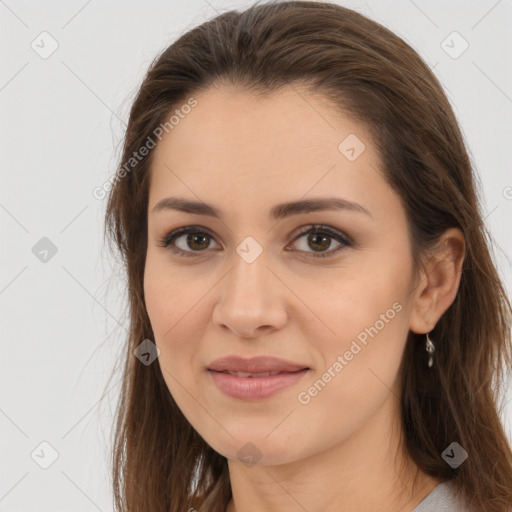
x: 438, y: 282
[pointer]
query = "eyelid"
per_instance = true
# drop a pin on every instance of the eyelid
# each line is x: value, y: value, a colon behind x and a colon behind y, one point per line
x: 341, y: 237
x: 321, y: 228
x: 167, y: 240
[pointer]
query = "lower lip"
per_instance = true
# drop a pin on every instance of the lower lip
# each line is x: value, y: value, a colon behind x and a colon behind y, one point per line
x: 254, y: 388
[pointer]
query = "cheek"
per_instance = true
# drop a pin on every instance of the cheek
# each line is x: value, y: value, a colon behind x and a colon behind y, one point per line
x: 171, y: 297
x: 169, y: 307
x: 356, y: 302
x: 178, y: 316
x: 365, y: 325
x: 358, y: 364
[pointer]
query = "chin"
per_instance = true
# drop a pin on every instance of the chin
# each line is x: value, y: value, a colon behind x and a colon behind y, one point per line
x: 254, y: 450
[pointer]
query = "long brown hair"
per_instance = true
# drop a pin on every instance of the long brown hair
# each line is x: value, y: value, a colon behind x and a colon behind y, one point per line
x: 159, y: 461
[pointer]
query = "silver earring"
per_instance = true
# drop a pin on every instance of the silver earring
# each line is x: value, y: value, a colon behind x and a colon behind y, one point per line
x: 430, y: 349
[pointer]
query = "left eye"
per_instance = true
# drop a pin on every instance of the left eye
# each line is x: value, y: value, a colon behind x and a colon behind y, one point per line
x: 318, y: 237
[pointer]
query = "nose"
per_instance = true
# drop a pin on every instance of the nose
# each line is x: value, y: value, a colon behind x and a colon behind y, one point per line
x: 251, y: 299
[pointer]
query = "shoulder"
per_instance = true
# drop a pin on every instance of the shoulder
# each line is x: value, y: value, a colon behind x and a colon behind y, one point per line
x: 442, y: 499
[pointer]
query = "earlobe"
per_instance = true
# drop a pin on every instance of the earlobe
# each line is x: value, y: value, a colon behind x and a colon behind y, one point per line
x: 439, y: 283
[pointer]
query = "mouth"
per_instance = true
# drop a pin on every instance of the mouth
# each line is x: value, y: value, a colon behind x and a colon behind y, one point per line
x: 255, y: 378
x: 253, y: 386
x: 255, y: 367
x: 254, y: 375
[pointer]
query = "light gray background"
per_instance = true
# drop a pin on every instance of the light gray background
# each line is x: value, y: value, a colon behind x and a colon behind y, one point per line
x: 61, y: 121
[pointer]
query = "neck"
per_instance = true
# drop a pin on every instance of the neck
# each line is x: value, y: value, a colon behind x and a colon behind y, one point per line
x: 370, y: 470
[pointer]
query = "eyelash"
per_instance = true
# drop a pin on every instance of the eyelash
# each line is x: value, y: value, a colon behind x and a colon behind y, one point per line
x: 317, y: 229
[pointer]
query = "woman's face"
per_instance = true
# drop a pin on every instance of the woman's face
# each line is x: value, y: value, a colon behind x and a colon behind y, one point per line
x: 253, y: 282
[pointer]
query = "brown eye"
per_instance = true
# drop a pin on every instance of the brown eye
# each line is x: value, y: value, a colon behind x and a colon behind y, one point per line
x: 194, y: 240
x: 187, y: 240
x: 319, y: 239
x: 197, y: 241
x: 318, y: 242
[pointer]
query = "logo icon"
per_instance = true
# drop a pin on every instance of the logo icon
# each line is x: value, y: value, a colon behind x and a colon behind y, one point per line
x: 44, y: 45
x: 454, y: 45
x: 454, y: 455
x: 249, y: 454
x: 146, y: 352
x: 44, y: 455
x: 249, y: 250
x: 351, y: 147
x: 44, y: 250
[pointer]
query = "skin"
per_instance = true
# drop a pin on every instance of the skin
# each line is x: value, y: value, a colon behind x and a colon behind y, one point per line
x: 244, y: 155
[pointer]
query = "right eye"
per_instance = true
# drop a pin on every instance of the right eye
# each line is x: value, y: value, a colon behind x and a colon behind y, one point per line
x: 196, y: 239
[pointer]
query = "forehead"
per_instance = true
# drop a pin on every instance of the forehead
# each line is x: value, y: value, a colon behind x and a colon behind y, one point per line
x: 290, y: 121
x: 239, y: 146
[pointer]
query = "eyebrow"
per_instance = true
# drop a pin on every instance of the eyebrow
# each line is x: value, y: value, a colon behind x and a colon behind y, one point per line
x: 278, y: 212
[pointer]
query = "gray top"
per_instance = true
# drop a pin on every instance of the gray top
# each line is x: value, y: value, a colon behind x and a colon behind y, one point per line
x: 441, y: 499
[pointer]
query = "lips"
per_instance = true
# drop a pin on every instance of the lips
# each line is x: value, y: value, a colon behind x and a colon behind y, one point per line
x: 262, y: 366
x: 255, y: 379
x: 253, y: 375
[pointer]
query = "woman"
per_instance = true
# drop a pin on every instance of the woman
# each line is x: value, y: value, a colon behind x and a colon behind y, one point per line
x: 316, y: 318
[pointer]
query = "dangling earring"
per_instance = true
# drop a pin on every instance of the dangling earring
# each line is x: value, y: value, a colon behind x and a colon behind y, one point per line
x: 430, y: 349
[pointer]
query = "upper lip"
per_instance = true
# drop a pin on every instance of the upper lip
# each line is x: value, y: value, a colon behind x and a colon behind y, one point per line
x: 259, y: 364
